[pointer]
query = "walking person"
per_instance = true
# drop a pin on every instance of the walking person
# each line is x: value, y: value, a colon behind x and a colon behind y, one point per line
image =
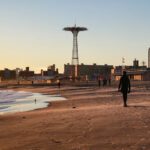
x: 124, y: 87
x: 104, y: 81
x: 109, y: 80
x: 99, y: 81
x: 58, y: 83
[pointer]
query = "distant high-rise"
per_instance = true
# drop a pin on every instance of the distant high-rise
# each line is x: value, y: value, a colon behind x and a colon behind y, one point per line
x: 149, y: 58
x: 135, y: 63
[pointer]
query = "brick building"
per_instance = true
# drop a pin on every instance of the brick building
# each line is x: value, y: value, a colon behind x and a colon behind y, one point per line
x: 90, y: 72
x: 26, y: 73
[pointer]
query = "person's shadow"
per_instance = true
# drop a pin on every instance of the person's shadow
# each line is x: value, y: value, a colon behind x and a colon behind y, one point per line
x: 139, y: 106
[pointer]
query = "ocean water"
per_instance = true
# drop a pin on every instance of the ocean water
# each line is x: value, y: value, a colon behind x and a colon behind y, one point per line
x: 14, y: 101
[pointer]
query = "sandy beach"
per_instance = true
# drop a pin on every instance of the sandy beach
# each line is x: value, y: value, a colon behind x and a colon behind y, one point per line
x: 92, y: 118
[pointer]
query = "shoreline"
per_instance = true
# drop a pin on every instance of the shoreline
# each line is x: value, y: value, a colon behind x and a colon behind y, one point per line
x: 13, y: 101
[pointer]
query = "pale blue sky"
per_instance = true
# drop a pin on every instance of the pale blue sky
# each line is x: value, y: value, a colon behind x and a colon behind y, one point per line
x: 31, y: 32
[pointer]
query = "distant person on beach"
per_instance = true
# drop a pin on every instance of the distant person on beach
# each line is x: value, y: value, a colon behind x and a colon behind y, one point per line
x: 104, y: 81
x: 124, y: 87
x: 109, y: 81
x: 59, y: 84
x: 99, y: 82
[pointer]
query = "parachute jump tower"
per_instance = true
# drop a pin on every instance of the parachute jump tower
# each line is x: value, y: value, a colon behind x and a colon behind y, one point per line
x: 75, y: 30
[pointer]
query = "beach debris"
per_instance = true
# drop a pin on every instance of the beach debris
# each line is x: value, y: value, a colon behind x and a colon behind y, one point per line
x: 56, y: 141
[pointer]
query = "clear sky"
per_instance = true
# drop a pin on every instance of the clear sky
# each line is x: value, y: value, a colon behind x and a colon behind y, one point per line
x: 31, y: 32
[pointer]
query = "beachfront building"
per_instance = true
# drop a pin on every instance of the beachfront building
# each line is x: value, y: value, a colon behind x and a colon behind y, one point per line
x: 47, y: 76
x: 140, y: 75
x: 88, y: 72
x: 146, y: 75
x: 7, y: 74
x: 134, y: 72
x: 51, y: 71
x: 26, y: 73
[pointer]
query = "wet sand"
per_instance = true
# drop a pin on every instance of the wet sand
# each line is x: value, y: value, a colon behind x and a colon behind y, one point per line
x: 91, y: 119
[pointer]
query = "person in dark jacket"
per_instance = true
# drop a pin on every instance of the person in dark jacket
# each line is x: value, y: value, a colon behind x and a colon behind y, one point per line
x: 124, y: 87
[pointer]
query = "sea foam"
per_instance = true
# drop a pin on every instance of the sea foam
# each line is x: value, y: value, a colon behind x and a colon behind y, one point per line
x: 14, y: 101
